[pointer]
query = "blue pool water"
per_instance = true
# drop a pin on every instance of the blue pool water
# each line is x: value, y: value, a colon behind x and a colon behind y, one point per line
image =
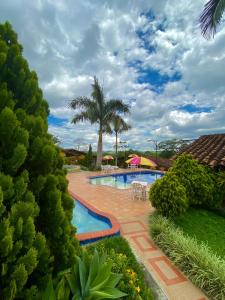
x: 123, y: 181
x: 87, y: 221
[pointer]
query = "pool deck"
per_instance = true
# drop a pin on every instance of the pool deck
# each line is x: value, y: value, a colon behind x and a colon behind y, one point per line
x: 133, y: 219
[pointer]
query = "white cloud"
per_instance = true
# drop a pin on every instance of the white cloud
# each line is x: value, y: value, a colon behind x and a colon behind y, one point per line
x: 67, y: 43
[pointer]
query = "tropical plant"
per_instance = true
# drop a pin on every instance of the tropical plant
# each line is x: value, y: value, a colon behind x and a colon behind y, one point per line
x: 168, y: 195
x: 98, y: 110
x: 119, y: 126
x: 89, y: 279
x: 211, y: 17
x: 123, y: 261
x: 36, y: 236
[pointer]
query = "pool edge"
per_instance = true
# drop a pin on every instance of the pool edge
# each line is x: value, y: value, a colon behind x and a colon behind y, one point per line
x: 90, y: 237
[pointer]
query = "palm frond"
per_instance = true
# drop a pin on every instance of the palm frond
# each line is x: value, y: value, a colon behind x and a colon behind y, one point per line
x: 116, y: 105
x: 81, y: 117
x: 80, y: 102
x: 107, y: 128
x: 119, y: 125
x: 211, y: 17
x: 97, y: 94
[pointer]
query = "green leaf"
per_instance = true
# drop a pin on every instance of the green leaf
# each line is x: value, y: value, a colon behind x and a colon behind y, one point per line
x: 82, y: 274
x: 113, y: 280
x: 108, y: 293
x: 94, y: 265
x: 62, y: 290
x: 102, y: 277
x: 49, y: 293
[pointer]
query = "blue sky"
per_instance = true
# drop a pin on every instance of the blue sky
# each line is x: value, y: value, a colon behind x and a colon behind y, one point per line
x: 148, y: 53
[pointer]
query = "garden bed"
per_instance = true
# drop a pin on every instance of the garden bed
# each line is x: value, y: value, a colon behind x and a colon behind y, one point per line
x: 201, y: 265
x: 205, y: 226
x: 124, y: 262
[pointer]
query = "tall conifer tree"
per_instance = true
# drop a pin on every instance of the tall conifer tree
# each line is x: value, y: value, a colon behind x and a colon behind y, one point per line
x: 36, y: 236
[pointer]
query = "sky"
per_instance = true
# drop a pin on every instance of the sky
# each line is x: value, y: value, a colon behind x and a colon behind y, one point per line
x: 148, y: 53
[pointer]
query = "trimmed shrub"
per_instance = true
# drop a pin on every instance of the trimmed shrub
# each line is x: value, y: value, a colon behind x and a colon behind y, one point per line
x: 168, y: 195
x: 123, y: 261
x: 197, y: 179
x: 197, y: 261
x: 36, y: 236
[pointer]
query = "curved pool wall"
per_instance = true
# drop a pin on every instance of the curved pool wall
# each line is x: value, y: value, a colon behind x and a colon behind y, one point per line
x: 91, y: 237
x: 113, y: 179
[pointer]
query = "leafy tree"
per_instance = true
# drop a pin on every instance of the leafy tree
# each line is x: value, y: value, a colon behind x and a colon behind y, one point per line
x: 36, y: 238
x: 170, y: 147
x: 211, y: 17
x: 98, y: 110
x: 118, y: 126
x: 89, y: 157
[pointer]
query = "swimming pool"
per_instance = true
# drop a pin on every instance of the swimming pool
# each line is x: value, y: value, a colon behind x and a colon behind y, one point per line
x: 88, y: 221
x: 124, y: 180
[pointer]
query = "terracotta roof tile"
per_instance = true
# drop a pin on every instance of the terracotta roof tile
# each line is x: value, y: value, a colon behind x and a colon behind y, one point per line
x: 208, y: 149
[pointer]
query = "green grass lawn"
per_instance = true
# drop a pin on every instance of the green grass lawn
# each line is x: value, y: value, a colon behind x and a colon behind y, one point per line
x: 206, y: 226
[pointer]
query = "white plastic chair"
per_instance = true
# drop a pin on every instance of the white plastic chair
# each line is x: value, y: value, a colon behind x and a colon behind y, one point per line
x: 139, y: 190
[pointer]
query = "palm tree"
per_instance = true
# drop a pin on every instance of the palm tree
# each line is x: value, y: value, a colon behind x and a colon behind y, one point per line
x: 118, y: 126
x: 211, y: 17
x: 98, y: 110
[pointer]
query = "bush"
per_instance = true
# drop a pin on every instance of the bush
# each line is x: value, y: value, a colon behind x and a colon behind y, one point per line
x: 168, y: 195
x: 202, y: 266
x: 123, y: 261
x: 197, y: 179
x: 36, y: 236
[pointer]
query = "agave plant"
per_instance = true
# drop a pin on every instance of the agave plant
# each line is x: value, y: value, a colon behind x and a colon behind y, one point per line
x: 89, y: 279
x: 92, y: 279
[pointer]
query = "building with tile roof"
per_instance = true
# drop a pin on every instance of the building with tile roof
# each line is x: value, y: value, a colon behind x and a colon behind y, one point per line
x: 208, y: 150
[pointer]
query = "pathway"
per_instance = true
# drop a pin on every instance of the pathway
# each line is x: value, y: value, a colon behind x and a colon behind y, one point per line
x: 133, y: 218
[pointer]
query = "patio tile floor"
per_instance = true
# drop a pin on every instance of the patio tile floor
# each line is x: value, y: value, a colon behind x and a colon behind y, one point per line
x: 133, y: 218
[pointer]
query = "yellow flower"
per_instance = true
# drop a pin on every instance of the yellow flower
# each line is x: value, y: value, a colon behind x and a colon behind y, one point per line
x: 131, y: 281
x: 138, y: 289
x: 133, y: 274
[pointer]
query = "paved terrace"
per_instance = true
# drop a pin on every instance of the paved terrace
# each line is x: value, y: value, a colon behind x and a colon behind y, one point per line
x: 133, y: 218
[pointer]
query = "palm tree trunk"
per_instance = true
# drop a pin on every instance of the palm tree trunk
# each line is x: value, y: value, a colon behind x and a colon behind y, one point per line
x: 99, y: 149
x: 116, y: 146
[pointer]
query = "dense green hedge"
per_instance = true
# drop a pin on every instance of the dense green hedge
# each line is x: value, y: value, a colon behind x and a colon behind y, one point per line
x: 124, y: 261
x: 187, y: 183
x: 201, y: 265
x: 169, y: 196
x: 36, y: 235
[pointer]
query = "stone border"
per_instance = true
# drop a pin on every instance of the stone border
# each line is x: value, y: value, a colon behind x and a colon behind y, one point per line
x: 90, y: 237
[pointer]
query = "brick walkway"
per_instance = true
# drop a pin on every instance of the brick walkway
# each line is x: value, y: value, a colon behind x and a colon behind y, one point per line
x: 133, y: 218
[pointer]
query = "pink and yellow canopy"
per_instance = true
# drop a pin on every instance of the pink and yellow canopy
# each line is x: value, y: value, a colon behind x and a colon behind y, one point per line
x: 140, y: 160
x: 132, y: 155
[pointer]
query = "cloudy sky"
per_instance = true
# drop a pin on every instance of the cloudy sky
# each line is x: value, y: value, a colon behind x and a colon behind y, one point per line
x: 148, y: 53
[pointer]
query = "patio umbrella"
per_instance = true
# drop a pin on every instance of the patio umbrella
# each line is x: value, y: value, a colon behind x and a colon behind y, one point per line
x: 140, y: 160
x: 132, y: 155
x: 108, y: 157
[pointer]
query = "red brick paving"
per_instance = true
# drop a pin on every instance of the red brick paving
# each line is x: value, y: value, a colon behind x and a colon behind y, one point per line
x: 133, y: 218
